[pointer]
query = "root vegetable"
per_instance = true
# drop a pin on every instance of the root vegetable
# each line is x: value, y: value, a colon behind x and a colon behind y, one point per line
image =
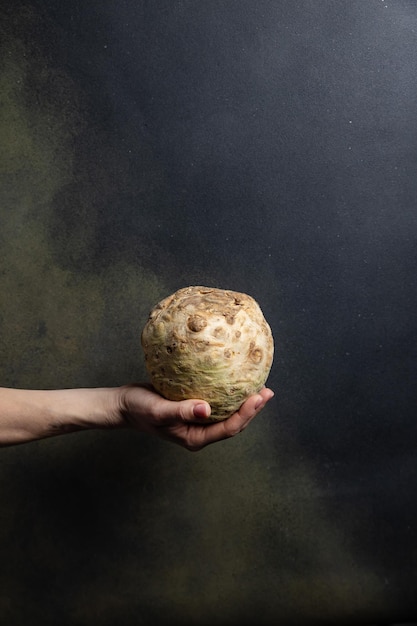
x: 208, y: 343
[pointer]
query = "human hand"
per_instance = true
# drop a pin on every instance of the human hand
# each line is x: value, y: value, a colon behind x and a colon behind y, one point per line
x: 186, y: 422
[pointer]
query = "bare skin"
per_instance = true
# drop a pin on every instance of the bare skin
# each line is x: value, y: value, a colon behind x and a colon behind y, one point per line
x: 28, y: 415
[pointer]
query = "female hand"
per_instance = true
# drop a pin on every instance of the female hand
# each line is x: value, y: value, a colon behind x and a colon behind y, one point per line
x: 186, y: 422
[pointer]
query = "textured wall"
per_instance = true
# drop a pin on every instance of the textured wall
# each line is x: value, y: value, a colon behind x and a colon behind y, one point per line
x: 267, y: 147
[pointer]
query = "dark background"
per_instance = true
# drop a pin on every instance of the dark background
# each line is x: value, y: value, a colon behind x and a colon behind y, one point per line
x: 268, y: 147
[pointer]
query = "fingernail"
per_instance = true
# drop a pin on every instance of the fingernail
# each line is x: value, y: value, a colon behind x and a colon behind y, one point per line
x: 200, y: 410
x: 258, y: 403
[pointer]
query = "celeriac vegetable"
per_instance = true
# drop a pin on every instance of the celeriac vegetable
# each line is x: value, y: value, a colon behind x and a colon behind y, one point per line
x: 208, y: 343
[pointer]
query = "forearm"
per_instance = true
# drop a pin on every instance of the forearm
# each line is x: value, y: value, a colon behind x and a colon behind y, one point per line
x: 26, y: 415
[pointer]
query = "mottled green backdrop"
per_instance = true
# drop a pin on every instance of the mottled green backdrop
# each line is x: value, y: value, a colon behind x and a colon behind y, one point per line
x: 150, y: 146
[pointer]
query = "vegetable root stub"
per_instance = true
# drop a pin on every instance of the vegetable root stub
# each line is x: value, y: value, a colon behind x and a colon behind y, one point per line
x: 208, y: 343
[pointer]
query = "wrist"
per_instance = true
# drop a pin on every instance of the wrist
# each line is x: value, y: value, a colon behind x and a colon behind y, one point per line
x: 86, y: 409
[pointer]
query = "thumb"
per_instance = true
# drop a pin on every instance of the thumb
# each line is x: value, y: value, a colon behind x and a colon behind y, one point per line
x: 193, y: 410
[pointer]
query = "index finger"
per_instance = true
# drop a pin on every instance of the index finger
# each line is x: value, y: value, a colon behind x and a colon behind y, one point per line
x: 238, y: 421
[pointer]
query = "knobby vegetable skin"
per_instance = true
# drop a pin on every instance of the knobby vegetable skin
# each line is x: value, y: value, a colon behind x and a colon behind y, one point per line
x: 208, y: 343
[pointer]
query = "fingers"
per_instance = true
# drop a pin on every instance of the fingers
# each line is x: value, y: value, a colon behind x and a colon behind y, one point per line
x: 199, y: 410
x: 192, y: 410
x: 232, y: 426
x: 249, y: 409
x: 254, y: 404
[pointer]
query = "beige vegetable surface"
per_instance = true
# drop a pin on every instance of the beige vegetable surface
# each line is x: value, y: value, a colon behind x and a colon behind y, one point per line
x: 208, y: 343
